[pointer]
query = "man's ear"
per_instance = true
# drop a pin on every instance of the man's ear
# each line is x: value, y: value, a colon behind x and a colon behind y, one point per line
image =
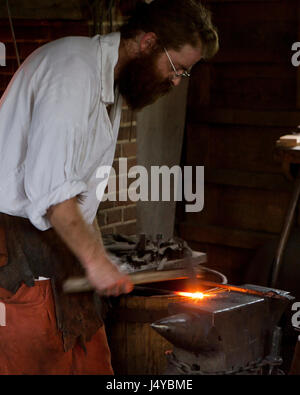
x: 148, y: 42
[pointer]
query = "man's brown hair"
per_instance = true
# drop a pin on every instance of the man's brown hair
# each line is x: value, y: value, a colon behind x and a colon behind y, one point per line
x: 176, y: 23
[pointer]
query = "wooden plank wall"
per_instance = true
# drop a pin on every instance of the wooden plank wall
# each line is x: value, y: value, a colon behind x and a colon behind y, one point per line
x: 239, y: 104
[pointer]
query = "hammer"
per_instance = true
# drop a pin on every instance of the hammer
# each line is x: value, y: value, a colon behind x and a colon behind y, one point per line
x: 81, y: 284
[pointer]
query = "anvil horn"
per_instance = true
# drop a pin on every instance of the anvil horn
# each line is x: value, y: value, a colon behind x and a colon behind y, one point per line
x: 188, y: 331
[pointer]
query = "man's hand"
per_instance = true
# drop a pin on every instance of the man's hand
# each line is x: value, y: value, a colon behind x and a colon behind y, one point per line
x: 105, y: 277
x: 84, y: 242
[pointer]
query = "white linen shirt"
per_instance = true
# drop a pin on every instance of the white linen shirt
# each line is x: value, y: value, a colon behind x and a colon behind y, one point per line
x: 54, y: 127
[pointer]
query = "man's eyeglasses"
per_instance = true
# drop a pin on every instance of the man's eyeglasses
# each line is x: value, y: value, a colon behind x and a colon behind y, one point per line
x: 185, y: 73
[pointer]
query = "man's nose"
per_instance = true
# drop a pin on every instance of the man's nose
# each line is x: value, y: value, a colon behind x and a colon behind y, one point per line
x: 176, y: 81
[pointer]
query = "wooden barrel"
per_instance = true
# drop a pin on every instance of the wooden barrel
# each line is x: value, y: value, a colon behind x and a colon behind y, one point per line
x: 136, y: 348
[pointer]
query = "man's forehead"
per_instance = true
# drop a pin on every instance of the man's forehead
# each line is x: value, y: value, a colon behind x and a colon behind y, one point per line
x: 187, y: 55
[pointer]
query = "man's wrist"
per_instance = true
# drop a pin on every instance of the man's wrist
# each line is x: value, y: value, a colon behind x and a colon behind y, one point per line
x: 95, y: 253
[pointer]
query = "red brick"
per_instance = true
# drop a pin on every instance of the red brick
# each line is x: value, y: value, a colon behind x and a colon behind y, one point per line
x: 129, y: 213
x: 107, y: 230
x: 115, y: 165
x: 118, y: 152
x: 127, y: 133
x: 101, y: 216
x: 113, y: 216
x: 127, y: 116
x: 131, y: 162
x: 125, y: 203
x: 119, y: 203
x: 132, y: 133
x: 105, y: 205
x: 126, y: 229
x: 129, y: 149
x: 124, y: 134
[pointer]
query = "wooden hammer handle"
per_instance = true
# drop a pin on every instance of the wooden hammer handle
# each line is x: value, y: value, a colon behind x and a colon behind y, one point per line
x: 81, y: 284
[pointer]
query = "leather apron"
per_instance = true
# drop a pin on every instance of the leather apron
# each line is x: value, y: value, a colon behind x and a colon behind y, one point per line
x: 27, y: 253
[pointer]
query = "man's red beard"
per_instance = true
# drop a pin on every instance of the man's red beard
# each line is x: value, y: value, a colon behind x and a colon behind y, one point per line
x: 140, y: 83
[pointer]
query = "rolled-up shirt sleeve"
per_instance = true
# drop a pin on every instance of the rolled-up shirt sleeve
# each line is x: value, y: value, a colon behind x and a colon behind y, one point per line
x: 57, y: 141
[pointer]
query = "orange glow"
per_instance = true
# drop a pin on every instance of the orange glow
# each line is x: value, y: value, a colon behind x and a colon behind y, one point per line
x: 193, y: 295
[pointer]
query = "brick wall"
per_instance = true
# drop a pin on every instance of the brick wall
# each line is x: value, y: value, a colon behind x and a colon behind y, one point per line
x: 114, y: 217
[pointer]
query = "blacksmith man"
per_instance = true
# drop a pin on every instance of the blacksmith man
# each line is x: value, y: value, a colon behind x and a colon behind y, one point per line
x: 59, y: 121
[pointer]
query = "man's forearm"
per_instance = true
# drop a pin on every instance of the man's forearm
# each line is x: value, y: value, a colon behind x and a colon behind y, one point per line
x: 87, y: 246
x: 80, y: 237
x: 97, y: 230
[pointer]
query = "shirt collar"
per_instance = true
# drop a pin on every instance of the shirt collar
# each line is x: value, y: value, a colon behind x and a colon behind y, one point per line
x: 109, y: 46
